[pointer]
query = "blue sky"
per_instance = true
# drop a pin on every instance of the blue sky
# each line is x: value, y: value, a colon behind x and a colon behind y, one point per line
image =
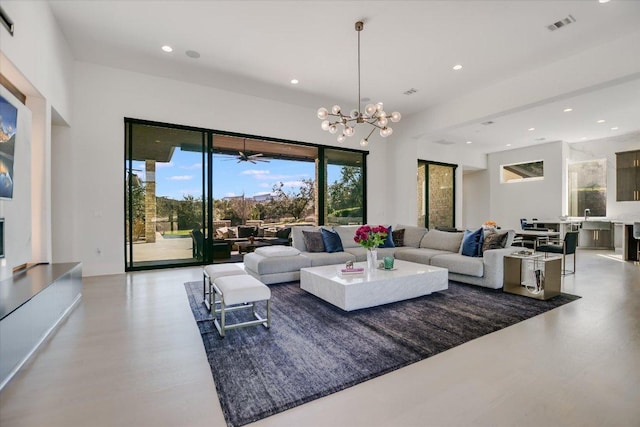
x: 183, y: 175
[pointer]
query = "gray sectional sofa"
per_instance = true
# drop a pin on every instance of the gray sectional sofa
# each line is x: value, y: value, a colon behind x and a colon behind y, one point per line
x: 433, y: 247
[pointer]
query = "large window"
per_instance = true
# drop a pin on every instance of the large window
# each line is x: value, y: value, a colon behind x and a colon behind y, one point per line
x: 344, y: 189
x: 436, y: 195
x: 587, y: 182
x: 521, y: 172
x: 191, y: 195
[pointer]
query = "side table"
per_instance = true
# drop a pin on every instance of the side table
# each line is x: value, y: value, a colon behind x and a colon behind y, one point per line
x: 533, y: 275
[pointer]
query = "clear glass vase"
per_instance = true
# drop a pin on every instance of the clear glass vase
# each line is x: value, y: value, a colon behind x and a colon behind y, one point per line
x: 372, y: 259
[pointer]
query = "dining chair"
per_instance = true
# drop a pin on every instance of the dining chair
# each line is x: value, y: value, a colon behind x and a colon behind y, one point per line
x: 636, y: 235
x: 564, y: 247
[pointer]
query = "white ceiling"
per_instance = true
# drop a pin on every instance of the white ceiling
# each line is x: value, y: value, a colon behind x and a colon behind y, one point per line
x: 257, y: 47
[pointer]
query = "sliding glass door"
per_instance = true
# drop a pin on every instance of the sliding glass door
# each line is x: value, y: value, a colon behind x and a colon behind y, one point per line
x: 197, y: 196
x: 165, y: 196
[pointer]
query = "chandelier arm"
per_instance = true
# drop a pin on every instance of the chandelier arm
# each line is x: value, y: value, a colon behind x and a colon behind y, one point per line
x: 370, y: 133
x: 375, y: 125
x: 359, y: 104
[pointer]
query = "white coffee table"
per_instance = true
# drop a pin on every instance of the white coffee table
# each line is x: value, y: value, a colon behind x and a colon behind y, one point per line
x: 372, y: 288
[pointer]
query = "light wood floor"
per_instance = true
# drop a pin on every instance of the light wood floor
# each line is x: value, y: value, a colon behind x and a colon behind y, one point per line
x: 130, y: 355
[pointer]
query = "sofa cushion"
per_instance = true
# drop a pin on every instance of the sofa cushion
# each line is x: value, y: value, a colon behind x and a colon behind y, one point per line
x: 472, y: 242
x: 494, y: 240
x: 313, y: 241
x: 325, y: 258
x: 412, y: 235
x: 247, y: 231
x: 277, y: 251
x: 421, y: 256
x: 273, y: 265
x: 331, y: 239
x: 460, y: 264
x: 347, y: 233
x: 398, y: 237
x: 442, y: 241
x: 297, y: 241
x: 388, y: 241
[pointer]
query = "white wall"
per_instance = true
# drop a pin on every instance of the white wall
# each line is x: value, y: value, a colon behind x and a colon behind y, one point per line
x: 90, y: 191
x: 17, y: 211
x: 508, y: 202
x: 38, y: 59
x: 606, y: 149
x: 475, y: 193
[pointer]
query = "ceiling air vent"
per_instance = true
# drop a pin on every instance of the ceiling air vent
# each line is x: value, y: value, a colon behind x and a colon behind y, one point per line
x: 444, y: 142
x: 561, y: 23
x: 410, y: 91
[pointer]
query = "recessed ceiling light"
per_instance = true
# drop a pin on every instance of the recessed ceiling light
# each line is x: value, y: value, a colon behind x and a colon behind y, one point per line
x: 167, y: 48
x: 614, y: 128
x: 508, y: 145
x: 568, y: 110
x: 469, y: 142
x: 294, y: 81
x: 457, y: 67
x: 603, y: 1
x: 532, y: 128
x: 600, y: 121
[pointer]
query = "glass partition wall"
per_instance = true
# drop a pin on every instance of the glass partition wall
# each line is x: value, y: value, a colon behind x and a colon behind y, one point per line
x: 196, y: 196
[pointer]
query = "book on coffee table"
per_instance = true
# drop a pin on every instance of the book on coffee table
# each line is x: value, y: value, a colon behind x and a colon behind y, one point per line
x: 356, y: 270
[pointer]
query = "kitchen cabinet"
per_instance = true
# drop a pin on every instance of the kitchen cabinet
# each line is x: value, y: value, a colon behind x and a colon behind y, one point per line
x: 628, y: 176
x: 595, y: 235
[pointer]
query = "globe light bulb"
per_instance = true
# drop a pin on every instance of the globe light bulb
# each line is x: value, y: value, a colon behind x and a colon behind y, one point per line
x: 382, y: 121
x: 333, y: 129
x: 364, y: 142
x: 335, y: 109
x: 395, y: 117
x: 370, y: 109
x: 379, y: 106
x: 342, y: 138
x: 325, y: 125
x: 323, y: 113
x: 385, y: 132
x: 381, y: 113
x: 355, y: 113
x: 348, y: 131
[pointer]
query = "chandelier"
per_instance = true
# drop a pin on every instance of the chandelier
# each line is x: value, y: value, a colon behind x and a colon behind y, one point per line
x: 373, y: 114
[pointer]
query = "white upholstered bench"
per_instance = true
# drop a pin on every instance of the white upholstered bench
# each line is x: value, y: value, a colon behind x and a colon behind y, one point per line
x: 211, y: 273
x: 237, y: 293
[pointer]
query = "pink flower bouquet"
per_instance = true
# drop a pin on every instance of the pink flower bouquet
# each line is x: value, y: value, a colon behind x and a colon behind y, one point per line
x: 371, y: 237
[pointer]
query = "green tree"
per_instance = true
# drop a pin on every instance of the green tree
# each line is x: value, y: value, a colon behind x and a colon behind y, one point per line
x: 292, y: 203
x: 189, y: 212
x: 346, y: 192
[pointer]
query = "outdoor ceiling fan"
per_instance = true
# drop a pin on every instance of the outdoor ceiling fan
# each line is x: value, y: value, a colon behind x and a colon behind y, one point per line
x: 243, y: 156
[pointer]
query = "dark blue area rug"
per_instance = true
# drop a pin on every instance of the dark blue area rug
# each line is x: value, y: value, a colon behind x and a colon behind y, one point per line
x: 314, y: 349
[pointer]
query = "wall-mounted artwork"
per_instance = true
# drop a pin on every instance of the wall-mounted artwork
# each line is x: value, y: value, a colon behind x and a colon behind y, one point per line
x: 8, y: 124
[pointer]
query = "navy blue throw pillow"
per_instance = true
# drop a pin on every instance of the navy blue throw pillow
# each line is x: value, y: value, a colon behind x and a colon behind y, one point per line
x: 332, y: 241
x: 472, y: 242
x: 388, y: 241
